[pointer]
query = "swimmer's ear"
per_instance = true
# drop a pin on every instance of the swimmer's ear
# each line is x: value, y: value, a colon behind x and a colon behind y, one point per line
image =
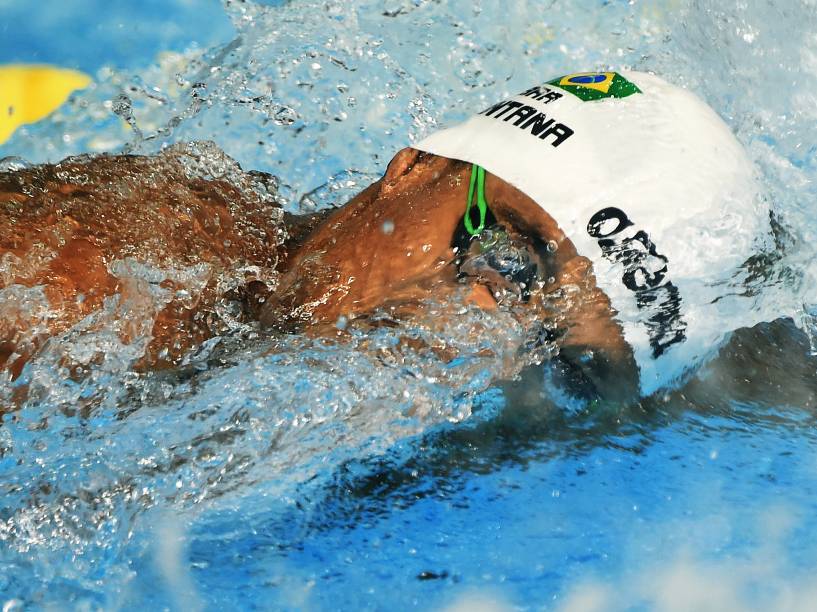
x: 399, y: 166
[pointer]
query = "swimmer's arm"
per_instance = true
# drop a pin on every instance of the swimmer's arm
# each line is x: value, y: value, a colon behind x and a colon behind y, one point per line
x: 593, y: 340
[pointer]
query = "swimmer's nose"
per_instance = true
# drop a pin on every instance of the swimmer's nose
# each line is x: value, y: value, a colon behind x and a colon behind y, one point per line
x: 400, y: 165
x: 412, y: 168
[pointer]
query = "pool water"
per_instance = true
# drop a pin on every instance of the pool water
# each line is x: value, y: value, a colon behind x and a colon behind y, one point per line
x: 285, y: 472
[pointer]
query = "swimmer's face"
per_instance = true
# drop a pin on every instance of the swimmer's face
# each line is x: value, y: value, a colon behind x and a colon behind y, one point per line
x: 393, y: 241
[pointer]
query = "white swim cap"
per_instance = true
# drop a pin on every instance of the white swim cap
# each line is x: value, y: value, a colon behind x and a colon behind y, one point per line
x: 649, y: 184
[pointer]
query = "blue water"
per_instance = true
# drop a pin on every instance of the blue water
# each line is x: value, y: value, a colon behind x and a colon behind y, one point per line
x: 89, y: 34
x: 295, y: 473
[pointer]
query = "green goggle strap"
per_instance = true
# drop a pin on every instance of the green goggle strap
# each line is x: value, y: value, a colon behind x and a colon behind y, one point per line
x: 478, y: 182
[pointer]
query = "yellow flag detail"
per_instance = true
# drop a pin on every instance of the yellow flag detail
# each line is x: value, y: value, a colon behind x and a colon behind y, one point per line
x: 29, y: 93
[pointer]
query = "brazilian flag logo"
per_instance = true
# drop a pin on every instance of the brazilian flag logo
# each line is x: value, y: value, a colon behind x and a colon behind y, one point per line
x: 596, y: 85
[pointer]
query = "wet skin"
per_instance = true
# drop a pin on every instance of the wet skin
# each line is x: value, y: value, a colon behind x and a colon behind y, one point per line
x: 64, y: 227
x: 392, y: 243
x: 389, y: 245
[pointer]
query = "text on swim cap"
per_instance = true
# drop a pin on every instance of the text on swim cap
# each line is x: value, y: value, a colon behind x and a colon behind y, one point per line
x: 638, y: 255
x: 530, y: 119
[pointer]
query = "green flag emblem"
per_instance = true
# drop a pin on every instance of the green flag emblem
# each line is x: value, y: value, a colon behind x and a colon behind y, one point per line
x: 596, y: 85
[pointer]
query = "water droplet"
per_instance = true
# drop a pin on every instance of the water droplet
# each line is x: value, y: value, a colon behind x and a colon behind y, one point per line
x: 426, y: 248
x: 13, y: 605
x: 552, y: 246
x: 387, y: 227
x: 284, y: 116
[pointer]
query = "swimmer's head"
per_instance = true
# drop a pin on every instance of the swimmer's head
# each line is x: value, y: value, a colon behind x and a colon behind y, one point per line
x: 642, y: 177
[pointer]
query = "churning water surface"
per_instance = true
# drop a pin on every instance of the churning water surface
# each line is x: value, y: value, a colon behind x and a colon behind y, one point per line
x: 285, y: 472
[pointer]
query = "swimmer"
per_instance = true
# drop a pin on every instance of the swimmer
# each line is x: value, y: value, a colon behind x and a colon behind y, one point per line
x: 623, y: 197
x: 640, y: 210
